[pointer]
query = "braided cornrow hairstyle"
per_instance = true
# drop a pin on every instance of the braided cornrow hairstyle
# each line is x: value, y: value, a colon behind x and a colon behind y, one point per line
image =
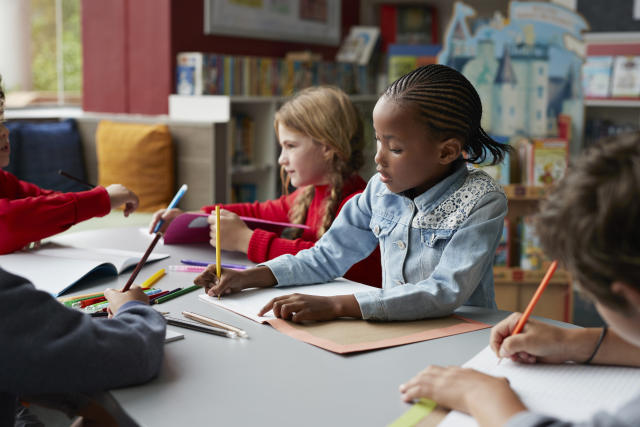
x: 327, y: 115
x: 450, y: 106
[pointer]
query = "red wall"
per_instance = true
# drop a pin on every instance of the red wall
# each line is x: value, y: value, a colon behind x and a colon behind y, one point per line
x: 129, y: 49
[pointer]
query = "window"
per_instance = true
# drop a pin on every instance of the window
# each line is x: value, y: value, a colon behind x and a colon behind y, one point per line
x: 49, y: 31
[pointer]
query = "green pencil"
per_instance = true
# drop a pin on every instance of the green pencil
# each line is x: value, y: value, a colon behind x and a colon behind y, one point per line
x: 175, y: 294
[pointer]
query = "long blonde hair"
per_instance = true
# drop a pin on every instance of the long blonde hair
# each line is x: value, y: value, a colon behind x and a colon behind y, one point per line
x: 328, y: 117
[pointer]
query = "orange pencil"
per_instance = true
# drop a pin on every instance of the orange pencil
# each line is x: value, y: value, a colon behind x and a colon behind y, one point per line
x: 535, y: 298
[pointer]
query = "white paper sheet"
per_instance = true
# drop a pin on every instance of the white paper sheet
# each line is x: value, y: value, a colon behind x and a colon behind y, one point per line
x: 249, y: 302
x: 569, y: 391
x: 55, y: 268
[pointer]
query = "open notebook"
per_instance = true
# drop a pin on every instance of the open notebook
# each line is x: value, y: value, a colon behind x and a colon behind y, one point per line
x: 55, y: 268
x: 192, y: 227
x: 568, y: 391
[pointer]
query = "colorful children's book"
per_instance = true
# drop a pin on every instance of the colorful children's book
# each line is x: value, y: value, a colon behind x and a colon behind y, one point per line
x: 56, y: 268
x: 359, y: 45
x: 547, y: 161
x: 626, y: 77
x: 192, y: 227
x: 406, y: 58
x: 531, y: 255
x: 596, y: 76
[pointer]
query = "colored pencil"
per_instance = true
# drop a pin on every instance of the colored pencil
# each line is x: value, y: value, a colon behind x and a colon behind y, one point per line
x: 175, y: 294
x: 153, y: 279
x: 535, y: 298
x: 73, y: 178
x: 155, y: 240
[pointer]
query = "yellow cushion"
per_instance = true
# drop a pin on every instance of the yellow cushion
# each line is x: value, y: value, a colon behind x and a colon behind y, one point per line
x: 138, y: 156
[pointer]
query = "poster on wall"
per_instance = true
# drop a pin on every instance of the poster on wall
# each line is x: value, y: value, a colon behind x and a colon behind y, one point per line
x: 526, y: 67
x: 312, y: 21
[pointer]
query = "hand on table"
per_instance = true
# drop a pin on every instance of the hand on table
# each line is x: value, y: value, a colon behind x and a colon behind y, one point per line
x: 537, y: 342
x: 302, y: 308
x: 232, y: 281
x: 118, y: 298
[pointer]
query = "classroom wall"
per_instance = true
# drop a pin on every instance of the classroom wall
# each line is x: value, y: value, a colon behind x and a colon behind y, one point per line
x: 129, y: 49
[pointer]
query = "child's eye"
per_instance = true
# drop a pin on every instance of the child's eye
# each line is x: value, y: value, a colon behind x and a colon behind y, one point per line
x: 395, y: 150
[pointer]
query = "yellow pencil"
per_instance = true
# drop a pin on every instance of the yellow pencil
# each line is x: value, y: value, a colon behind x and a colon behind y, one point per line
x: 153, y: 279
x: 218, y: 272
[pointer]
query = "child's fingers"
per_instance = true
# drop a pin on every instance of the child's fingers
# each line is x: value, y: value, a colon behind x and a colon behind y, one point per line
x: 208, y: 278
x: 501, y: 331
x: 267, y: 307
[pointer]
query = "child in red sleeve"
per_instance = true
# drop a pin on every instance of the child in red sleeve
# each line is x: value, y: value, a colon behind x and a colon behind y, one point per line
x: 29, y: 213
x: 321, y: 136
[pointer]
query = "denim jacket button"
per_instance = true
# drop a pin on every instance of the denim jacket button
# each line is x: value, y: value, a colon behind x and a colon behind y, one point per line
x: 376, y: 230
x: 399, y: 282
x: 400, y: 244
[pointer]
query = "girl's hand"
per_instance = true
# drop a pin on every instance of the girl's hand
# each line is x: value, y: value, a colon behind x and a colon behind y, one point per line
x: 121, y: 195
x: 301, y: 308
x: 489, y: 399
x: 537, y: 342
x: 234, y: 236
x: 117, y: 298
x: 232, y: 281
x: 167, y: 215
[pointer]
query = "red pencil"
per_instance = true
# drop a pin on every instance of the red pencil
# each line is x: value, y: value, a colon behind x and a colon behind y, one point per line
x: 535, y: 298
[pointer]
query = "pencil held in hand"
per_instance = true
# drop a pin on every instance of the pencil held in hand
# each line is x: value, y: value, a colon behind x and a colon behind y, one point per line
x: 535, y: 298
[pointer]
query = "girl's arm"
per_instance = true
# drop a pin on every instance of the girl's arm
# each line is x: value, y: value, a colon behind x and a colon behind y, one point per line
x: 464, y: 261
x: 32, y: 218
x: 272, y: 210
x: 347, y: 241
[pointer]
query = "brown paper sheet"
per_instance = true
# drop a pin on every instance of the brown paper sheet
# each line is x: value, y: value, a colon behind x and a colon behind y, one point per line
x: 351, y: 335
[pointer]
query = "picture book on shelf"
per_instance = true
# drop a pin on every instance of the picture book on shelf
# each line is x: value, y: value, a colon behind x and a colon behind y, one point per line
x: 56, y: 268
x: 548, y: 159
x: 359, y: 45
x: 405, y: 58
x: 500, y: 171
x: 192, y: 227
x: 596, y: 76
x: 626, y: 77
x: 531, y: 255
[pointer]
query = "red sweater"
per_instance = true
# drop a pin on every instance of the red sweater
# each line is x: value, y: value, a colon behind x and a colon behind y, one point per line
x: 266, y: 245
x: 29, y: 213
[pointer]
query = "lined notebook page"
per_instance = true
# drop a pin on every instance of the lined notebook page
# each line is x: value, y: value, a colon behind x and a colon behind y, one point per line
x: 568, y: 391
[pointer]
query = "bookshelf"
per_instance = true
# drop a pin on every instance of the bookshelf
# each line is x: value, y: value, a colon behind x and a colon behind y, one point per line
x: 514, y: 286
x: 263, y: 172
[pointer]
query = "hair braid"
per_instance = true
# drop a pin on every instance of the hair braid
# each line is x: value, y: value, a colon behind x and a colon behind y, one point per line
x: 327, y: 115
x: 450, y: 106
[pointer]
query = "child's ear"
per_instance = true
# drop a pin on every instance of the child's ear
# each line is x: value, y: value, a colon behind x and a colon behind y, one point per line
x: 630, y: 293
x: 450, y: 150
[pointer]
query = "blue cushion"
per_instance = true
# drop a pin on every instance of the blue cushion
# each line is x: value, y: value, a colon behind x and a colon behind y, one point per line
x: 14, y: 140
x: 46, y: 148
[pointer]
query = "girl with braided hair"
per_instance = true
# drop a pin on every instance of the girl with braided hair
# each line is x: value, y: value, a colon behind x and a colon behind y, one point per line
x: 321, y: 137
x: 436, y: 221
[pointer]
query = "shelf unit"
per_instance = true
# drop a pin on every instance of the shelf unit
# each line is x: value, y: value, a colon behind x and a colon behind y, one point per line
x: 515, y: 286
x: 264, y: 173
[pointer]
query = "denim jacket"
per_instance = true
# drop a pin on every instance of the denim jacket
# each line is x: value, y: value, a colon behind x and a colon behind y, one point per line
x: 436, y: 250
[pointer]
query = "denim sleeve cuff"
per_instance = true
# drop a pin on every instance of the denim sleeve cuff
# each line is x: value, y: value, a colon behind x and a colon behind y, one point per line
x: 371, y: 305
x: 281, y: 269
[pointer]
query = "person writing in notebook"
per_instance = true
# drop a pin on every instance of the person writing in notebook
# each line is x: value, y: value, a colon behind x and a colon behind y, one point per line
x: 589, y: 223
x: 29, y: 213
x: 49, y: 349
x: 321, y: 136
x: 437, y: 222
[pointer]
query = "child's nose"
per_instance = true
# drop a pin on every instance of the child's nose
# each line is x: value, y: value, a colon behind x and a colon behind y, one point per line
x: 378, y: 157
x: 282, y: 158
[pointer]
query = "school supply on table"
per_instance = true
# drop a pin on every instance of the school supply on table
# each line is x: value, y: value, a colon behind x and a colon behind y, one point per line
x: 535, y: 298
x: 102, y: 305
x: 175, y: 294
x: 56, y: 268
x: 192, y: 227
x: 73, y: 178
x: 155, y: 240
x: 207, y: 263
x: 419, y: 412
x: 572, y: 392
x: 215, y: 323
x: 174, y: 321
x: 186, y: 268
x: 153, y: 279
x: 218, y: 250
x: 171, y: 336
x: 341, y: 335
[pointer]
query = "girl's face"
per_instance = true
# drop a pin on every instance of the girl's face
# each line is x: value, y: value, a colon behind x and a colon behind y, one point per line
x: 304, y: 160
x: 5, y: 149
x: 406, y: 156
